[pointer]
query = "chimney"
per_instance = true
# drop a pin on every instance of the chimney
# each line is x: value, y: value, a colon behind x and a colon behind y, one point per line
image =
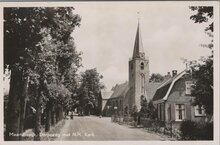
x: 174, y: 73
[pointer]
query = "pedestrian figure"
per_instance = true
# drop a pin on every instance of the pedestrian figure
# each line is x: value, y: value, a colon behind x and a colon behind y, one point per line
x: 71, y: 115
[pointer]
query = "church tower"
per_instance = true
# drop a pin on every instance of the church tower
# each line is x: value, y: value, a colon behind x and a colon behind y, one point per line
x: 138, y: 73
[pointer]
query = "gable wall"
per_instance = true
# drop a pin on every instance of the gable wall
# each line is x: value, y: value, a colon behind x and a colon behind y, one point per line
x: 178, y: 96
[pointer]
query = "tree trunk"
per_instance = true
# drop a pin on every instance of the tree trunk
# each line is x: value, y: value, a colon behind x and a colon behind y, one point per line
x: 57, y: 113
x: 38, y: 114
x: 61, y: 112
x: 52, y: 114
x: 23, y: 105
x: 13, y: 110
x: 48, y: 116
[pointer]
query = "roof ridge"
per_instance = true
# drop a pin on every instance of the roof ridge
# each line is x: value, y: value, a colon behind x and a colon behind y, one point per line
x: 169, y: 84
x: 170, y: 79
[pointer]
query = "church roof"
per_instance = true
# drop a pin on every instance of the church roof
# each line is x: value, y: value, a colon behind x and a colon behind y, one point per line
x: 152, y: 89
x: 120, y: 90
x: 138, y: 45
x: 106, y: 95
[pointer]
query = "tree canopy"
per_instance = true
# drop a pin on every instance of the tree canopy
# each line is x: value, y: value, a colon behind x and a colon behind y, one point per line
x: 204, y: 14
x: 203, y: 71
x: 90, y: 87
x: 41, y: 55
x: 156, y: 77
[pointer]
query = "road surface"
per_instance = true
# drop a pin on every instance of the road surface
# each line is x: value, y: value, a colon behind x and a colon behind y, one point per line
x: 95, y: 128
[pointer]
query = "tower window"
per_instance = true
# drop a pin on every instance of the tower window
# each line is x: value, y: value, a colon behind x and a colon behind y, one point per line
x: 142, y: 65
x: 142, y: 84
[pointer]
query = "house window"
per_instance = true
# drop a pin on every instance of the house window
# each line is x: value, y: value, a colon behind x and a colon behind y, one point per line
x: 180, y: 112
x: 199, y: 110
x: 189, y: 87
x: 142, y: 66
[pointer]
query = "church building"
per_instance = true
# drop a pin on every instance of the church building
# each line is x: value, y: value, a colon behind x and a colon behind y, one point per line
x: 138, y: 74
x: 127, y: 96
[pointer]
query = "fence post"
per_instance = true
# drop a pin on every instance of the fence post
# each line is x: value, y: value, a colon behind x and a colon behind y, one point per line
x: 171, y: 129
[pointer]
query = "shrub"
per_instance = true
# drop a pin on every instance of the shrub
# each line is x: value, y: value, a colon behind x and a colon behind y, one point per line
x: 196, y: 131
x: 187, y: 129
x: 209, y: 131
x: 157, y: 125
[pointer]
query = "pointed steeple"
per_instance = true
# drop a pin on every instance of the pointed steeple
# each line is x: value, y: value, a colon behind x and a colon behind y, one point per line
x: 138, y: 45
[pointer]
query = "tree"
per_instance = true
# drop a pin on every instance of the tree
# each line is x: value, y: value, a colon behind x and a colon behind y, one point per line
x: 148, y: 110
x: 156, y: 77
x: 143, y: 109
x: 151, y: 110
x: 204, y: 13
x: 203, y: 88
x: 89, y: 90
x: 203, y: 72
x: 24, y: 30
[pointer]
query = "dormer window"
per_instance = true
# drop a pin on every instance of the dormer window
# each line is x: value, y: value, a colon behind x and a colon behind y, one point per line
x: 189, y: 88
x: 142, y: 66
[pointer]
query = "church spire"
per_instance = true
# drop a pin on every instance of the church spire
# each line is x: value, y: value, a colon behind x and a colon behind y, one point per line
x: 138, y: 45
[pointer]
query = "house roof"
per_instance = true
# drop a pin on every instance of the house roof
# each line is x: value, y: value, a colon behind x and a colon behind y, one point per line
x: 164, y: 89
x: 106, y: 95
x: 161, y: 92
x: 120, y: 90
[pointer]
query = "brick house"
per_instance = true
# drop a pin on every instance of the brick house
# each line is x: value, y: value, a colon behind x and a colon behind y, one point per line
x: 173, y: 99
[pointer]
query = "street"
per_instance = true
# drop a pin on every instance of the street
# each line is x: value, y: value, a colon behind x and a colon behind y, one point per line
x: 95, y: 128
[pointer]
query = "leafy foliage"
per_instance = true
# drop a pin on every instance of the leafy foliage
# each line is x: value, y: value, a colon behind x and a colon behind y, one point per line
x: 196, y: 131
x: 148, y: 110
x: 203, y: 88
x: 156, y: 77
x: 203, y: 71
x: 23, y: 27
x: 90, y: 86
x: 204, y: 13
x: 38, y: 45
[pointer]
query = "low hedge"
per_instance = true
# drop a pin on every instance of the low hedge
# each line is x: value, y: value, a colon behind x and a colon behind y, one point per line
x: 191, y: 130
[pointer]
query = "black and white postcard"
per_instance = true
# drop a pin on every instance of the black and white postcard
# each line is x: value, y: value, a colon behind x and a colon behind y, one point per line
x: 117, y: 72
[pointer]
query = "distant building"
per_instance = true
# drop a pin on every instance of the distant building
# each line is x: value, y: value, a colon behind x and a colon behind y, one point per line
x: 173, y: 99
x: 116, y: 102
x: 103, y: 98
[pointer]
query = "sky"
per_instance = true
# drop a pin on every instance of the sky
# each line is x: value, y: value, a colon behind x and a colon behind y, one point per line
x: 107, y: 33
